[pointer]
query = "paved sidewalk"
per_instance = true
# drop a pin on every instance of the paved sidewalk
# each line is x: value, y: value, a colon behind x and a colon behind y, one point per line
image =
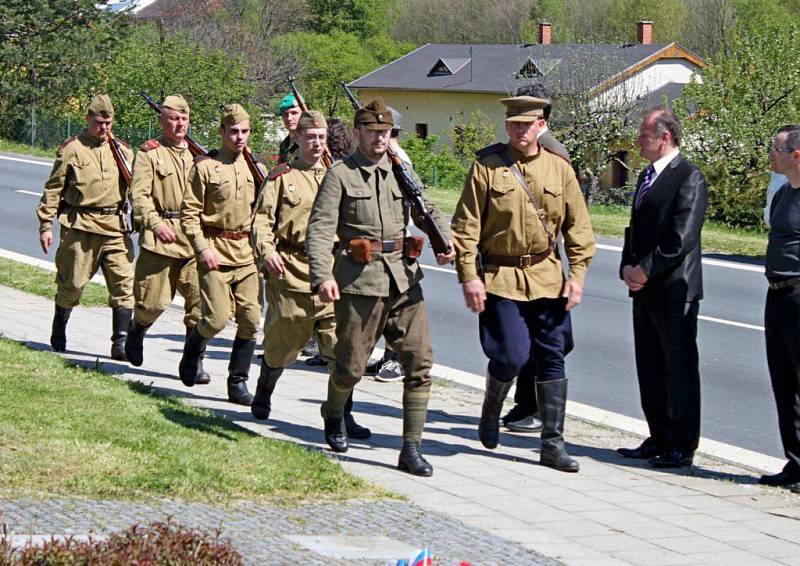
x: 495, y: 507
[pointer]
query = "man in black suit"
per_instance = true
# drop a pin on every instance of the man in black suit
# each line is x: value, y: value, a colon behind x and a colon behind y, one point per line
x: 661, y: 265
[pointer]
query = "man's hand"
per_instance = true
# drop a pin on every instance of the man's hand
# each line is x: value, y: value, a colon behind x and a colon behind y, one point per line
x: 634, y: 277
x: 208, y: 259
x: 275, y: 265
x: 475, y: 295
x: 573, y: 292
x: 444, y: 259
x: 165, y: 233
x: 46, y: 240
x: 328, y: 291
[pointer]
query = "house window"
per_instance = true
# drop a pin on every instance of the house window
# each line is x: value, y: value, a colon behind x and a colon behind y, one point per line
x: 421, y: 130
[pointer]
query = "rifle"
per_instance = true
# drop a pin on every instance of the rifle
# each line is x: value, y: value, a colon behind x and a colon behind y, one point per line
x: 255, y: 167
x: 194, y: 147
x: 125, y: 173
x: 412, y: 194
x: 327, y: 160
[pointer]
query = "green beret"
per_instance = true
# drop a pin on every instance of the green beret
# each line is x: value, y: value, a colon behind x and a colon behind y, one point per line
x: 374, y: 116
x: 233, y: 114
x: 311, y: 119
x: 176, y: 102
x: 100, y: 105
x: 288, y: 101
x: 524, y: 108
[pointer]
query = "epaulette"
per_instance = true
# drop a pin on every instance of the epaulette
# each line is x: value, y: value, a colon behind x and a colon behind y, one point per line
x: 490, y: 150
x: 208, y: 155
x: 565, y: 158
x: 123, y: 142
x: 149, y: 144
x: 67, y: 142
x: 279, y: 170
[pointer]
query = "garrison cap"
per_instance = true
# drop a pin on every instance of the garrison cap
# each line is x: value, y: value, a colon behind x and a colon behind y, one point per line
x: 100, y: 105
x: 397, y: 119
x: 311, y: 119
x: 176, y: 102
x: 524, y: 108
x: 288, y: 101
x: 374, y: 116
x: 233, y: 114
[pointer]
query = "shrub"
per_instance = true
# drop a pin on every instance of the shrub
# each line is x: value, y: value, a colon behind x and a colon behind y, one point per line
x: 437, y: 168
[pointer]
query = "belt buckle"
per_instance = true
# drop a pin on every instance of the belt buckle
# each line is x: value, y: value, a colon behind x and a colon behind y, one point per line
x: 525, y: 260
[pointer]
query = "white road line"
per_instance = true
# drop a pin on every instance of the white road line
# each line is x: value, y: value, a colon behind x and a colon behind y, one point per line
x: 24, y: 192
x: 706, y: 261
x: 731, y: 323
x: 19, y: 159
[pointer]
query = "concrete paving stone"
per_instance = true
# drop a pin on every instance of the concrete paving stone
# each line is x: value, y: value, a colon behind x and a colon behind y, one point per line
x: 664, y: 490
x: 539, y: 515
x: 529, y: 534
x: 768, y: 499
x: 772, y: 525
x: 564, y: 552
x: 653, y: 529
x: 609, y: 542
x: 577, y: 528
x: 791, y: 561
x: 575, y: 503
x: 691, y: 544
x: 619, y: 496
x: 659, y: 557
x: 594, y: 561
x: 792, y: 512
x: 614, y: 517
x: 702, y: 502
x: 690, y: 519
x: 654, y: 508
x: 790, y: 536
x: 773, y: 547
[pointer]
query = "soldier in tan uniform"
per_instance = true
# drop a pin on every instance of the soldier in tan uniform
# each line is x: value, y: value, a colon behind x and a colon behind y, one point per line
x: 374, y: 280
x: 279, y: 234
x: 86, y: 193
x: 166, y: 261
x: 216, y: 215
x: 516, y: 199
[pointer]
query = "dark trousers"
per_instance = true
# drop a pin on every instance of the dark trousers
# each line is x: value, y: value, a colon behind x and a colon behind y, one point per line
x: 665, y: 337
x: 782, y: 325
x: 525, y: 392
x: 514, y: 333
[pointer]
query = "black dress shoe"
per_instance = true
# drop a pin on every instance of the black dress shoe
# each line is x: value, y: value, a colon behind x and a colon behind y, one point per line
x: 411, y: 461
x: 672, y: 459
x: 355, y: 430
x: 784, y: 478
x: 646, y: 450
x: 335, y: 434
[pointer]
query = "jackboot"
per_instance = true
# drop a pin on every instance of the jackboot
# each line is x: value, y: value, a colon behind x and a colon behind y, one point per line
x: 552, y: 397
x: 489, y: 425
x: 202, y: 377
x: 335, y: 431
x: 239, y: 371
x: 58, y: 335
x: 134, y: 344
x: 120, y: 321
x: 411, y: 460
x: 193, y: 351
x: 262, y: 401
x: 354, y: 430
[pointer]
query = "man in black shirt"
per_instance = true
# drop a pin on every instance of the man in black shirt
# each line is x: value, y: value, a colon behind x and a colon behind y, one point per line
x: 782, y: 312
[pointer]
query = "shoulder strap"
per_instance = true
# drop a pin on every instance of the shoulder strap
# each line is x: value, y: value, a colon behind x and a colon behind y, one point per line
x: 521, y: 179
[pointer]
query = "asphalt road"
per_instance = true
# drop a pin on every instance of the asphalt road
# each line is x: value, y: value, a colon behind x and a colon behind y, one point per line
x: 738, y: 407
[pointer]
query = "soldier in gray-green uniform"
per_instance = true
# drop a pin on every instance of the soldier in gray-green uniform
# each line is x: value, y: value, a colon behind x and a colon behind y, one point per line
x: 289, y: 112
x: 216, y: 215
x: 374, y: 280
x: 85, y: 191
x: 166, y: 261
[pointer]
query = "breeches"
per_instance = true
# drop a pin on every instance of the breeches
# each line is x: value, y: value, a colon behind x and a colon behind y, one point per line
x: 157, y: 279
x: 225, y: 293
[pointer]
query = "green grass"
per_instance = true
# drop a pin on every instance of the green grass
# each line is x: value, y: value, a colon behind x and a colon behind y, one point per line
x: 42, y: 282
x: 72, y: 431
x: 9, y: 146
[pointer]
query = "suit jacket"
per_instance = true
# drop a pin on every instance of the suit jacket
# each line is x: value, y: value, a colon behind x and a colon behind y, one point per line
x: 664, y: 234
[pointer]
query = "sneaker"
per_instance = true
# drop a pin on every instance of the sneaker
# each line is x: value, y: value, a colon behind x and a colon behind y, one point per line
x: 390, y: 371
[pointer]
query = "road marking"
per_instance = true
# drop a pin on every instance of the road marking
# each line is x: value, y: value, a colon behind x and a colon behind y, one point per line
x: 731, y: 323
x: 706, y: 261
x: 24, y: 192
x: 19, y: 159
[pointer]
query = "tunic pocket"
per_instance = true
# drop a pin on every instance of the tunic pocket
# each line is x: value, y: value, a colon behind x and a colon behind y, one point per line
x: 358, y: 205
x: 503, y: 197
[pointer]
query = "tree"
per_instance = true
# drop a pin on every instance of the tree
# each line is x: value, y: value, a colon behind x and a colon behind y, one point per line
x: 365, y: 18
x: 470, y: 135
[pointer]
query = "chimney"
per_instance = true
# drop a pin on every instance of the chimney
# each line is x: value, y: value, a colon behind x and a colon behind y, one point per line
x: 545, y: 29
x: 644, y: 32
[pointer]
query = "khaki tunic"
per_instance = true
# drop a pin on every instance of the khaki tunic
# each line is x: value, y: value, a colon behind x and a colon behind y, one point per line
x: 495, y: 215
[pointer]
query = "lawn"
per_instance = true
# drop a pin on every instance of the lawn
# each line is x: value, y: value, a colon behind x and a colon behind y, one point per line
x: 9, y: 146
x: 72, y: 431
x: 42, y: 282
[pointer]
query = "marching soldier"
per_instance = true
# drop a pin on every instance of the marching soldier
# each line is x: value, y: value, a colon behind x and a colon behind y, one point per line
x: 279, y: 233
x: 216, y: 214
x: 290, y: 114
x: 374, y: 280
x: 87, y: 194
x: 166, y: 261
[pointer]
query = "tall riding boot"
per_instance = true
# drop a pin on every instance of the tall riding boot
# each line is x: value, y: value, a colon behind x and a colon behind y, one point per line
x: 552, y: 396
x: 193, y: 351
x: 134, y: 344
x: 335, y: 430
x: 262, y: 401
x: 354, y: 430
x: 202, y: 377
x: 489, y: 425
x: 121, y: 320
x: 415, y: 409
x: 239, y: 371
x: 58, y: 335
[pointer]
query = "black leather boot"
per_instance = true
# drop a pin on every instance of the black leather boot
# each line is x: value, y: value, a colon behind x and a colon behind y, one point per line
x: 552, y: 396
x: 411, y: 460
x: 239, y: 371
x: 202, y: 377
x: 193, y: 350
x: 335, y: 432
x: 354, y: 430
x: 262, y: 401
x: 58, y: 335
x: 489, y: 425
x: 134, y: 344
x: 120, y: 320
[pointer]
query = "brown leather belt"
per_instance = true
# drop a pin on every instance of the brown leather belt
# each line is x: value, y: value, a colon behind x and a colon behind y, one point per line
x: 377, y: 246
x: 290, y: 247
x: 526, y: 260
x: 227, y: 234
x: 170, y: 214
x: 774, y: 285
x: 96, y: 209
